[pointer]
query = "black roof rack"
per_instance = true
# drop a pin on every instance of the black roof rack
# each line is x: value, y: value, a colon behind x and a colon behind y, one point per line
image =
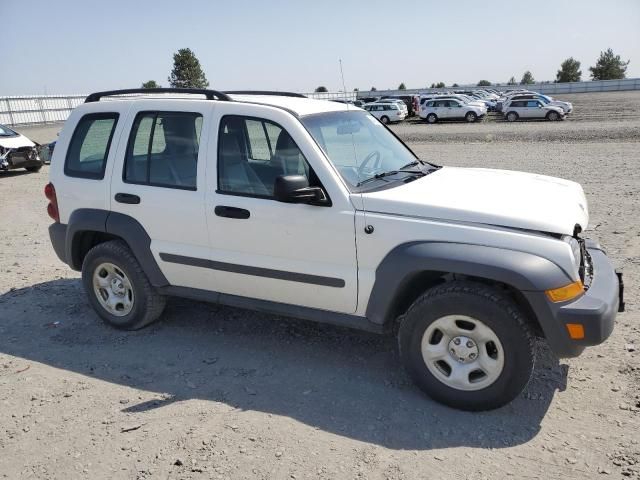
x: 209, y: 94
x: 265, y: 92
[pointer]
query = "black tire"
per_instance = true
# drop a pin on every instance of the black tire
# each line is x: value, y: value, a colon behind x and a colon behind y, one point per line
x: 147, y: 305
x: 495, y: 310
x: 553, y: 116
x: 511, y: 116
x: 432, y: 118
x: 470, y: 117
x: 33, y: 169
x: 384, y: 119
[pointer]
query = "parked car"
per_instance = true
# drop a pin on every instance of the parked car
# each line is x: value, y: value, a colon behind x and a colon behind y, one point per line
x: 386, y: 112
x: 530, y: 109
x: 17, y: 151
x: 262, y: 201
x: 567, y: 107
x: 400, y: 103
x: 452, y: 109
x: 463, y: 98
x: 408, y: 101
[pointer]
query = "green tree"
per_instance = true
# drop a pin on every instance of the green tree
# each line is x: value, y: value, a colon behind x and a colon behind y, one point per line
x: 373, y: 89
x: 321, y: 89
x: 150, y: 84
x: 484, y: 83
x: 455, y: 85
x: 527, y: 78
x: 512, y: 81
x: 439, y: 85
x: 402, y: 86
x: 569, y: 71
x: 356, y: 89
x: 609, y: 67
x: 187, y: 72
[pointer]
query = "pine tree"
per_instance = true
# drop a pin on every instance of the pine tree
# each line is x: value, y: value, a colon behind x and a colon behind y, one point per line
x: 187, y: 72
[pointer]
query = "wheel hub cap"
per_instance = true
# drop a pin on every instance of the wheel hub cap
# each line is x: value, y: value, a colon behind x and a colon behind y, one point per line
x: 463, y: 349
x: 113, y: 289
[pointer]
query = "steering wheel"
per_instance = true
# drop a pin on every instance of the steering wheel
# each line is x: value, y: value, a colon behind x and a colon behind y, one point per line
x: 376, y: 163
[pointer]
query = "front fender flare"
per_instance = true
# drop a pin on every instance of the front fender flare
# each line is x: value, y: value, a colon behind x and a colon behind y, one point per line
x: 520, y: 270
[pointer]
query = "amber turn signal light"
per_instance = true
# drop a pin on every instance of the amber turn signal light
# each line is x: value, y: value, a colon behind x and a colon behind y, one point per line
x: 576, y: 331
x: 565, y: 293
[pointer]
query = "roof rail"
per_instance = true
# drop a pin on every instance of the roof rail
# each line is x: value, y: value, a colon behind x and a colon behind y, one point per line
x: 209, y: 94
x: 265, y: 92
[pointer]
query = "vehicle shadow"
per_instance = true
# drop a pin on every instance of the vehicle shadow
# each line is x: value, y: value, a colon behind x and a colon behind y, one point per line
x: 14, y: 173
x: 334, y: 379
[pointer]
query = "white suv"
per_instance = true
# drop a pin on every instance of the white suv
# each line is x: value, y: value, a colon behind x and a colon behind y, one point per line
x: 316, y: 210
x: 451, y: 109
x: 388, y: 112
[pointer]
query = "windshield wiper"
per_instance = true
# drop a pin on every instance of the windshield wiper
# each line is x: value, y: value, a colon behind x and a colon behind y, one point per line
x: 380, y: 175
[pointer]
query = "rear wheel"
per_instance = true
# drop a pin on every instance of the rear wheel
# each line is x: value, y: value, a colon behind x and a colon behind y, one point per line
x: 471, y: 117
x: 432, y: 118
x: 384, y: 119
x: 117, y: 287
x: 34, y: 169
x: 467, y: 346
x: 553, y: 116
x: 512, y: 116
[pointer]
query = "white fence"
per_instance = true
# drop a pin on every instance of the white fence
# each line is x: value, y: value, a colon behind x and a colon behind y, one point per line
x: 38, y: 109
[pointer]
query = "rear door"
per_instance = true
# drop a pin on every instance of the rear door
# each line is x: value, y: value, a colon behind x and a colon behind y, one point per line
x: 158, y: 179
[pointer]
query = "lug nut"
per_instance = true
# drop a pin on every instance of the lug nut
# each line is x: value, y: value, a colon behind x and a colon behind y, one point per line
x: 472, y: 355
x: 469, y: 344
x: 456, y: 341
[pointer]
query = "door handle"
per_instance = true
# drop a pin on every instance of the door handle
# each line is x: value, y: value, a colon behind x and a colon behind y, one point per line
x: 127, y: 198
x: 231, y: 212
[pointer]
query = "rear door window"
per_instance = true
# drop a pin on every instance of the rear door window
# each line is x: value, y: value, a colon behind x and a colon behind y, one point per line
x: 89, y: 147
x: 163, y: 150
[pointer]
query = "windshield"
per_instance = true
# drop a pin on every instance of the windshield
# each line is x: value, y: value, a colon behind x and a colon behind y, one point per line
x: 6, y: 132
x: 359, y: 146
x: 543, y: 99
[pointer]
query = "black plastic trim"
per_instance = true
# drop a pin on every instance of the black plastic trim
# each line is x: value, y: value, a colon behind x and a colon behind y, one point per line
x: 276, y: 308
x: 254, y: 271
x: 520, y: 270
x: 265, y: 92
x: 209, y: 94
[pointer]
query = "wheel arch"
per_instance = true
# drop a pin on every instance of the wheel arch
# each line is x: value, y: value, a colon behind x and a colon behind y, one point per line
x: 90, y: 227
x: 410, y: 269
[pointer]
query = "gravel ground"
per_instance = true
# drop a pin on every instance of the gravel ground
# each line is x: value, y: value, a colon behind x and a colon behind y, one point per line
x: 217, y: 392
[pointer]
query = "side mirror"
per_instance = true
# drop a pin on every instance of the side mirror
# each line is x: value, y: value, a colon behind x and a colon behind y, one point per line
x: 296, y: 189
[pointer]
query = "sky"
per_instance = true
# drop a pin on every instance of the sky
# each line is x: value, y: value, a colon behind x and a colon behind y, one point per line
x: 80, y: 46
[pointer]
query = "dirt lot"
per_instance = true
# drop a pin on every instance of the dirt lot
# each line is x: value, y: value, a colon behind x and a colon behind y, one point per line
x: 217, y: 392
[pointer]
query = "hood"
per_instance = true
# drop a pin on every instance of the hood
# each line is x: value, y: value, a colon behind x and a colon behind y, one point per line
x: 492, y: 197
x: 16, y: 142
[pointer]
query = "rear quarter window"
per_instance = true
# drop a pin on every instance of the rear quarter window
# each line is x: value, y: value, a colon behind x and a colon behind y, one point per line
x: 89, y: 147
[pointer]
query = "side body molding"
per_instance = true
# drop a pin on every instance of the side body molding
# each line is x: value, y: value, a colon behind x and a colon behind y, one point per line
x: 521, y: 270
x: 123, y: 226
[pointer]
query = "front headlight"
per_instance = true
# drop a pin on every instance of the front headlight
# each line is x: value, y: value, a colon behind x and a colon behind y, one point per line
x: 575, y: 250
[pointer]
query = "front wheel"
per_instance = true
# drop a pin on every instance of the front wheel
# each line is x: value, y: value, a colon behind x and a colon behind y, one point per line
x: 467, y: 346
x: 33, y: 169
x: 553, y: 116
x: 117, y: 287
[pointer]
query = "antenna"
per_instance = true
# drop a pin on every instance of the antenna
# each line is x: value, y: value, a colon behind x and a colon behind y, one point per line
x: 367, y: 227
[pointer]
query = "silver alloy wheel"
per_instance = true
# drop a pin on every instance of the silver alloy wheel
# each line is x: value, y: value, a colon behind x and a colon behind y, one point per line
x: 471, y: 117
x: 462, y: 352
x: 113, y: 289
x: 512, y: 117
x: 553, y: 116
x: 384, y: 120
x: 431, y: 118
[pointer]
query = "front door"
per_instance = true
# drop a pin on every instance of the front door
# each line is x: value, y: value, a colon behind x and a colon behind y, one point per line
x: 296, y: 254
